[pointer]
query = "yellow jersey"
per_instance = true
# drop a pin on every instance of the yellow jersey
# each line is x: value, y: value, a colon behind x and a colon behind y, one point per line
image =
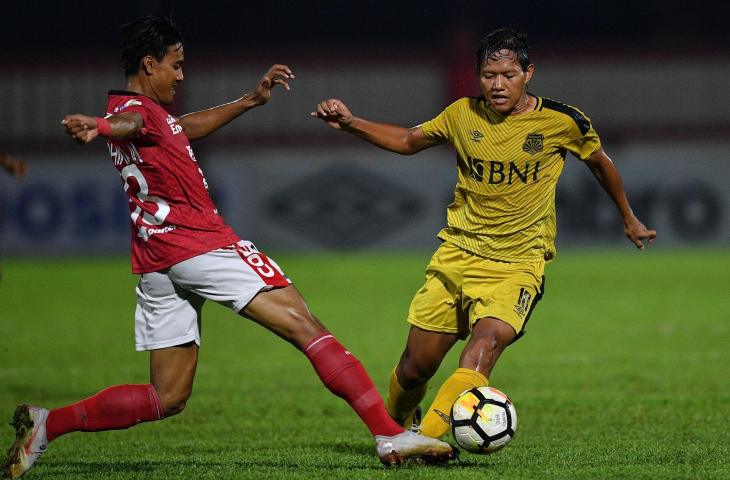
x: 504, y: 200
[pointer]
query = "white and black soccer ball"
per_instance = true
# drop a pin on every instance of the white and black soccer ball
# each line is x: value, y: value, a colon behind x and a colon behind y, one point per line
x: 483, y: 420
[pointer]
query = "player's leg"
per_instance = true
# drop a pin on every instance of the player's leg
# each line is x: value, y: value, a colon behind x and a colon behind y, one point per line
x: 172, y: 371
x: 167, y: 324
x: 165, y: 318
x: 490, y: 336
x: 501, y: 299
x: 437, y: 322
x: 251, y: 284
x: 284, y: 312
x: 421, y: 358
x: 116, y: 407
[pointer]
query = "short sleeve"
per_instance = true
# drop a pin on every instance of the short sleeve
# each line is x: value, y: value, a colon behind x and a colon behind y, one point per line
x: 440, y: 128
x: 151, y: 130
x: 437, y: 128
x: 583, y: 139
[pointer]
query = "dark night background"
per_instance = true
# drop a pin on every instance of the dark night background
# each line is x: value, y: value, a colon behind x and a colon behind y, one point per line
x: 219, y: 25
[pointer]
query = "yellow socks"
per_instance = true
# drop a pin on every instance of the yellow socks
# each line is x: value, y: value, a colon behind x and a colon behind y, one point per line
x: 436, y: 422
x: 402, y: 403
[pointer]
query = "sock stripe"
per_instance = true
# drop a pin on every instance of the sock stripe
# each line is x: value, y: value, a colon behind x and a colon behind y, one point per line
x: 317, y: 340
x: 367, y: 400
x: 155, y: 399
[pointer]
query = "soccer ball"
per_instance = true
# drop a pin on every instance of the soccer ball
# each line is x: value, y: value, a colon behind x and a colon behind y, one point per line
x: 483, y: 420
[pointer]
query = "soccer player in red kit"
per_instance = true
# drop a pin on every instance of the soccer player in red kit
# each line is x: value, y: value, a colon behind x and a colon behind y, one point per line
x: 185, y: 254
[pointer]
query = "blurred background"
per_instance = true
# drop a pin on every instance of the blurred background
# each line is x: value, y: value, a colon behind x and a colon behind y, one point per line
x: 652, y: 76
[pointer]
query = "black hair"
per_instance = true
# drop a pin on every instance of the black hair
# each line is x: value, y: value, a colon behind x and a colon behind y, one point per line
x: 504, y: 39
x: 150, y: 35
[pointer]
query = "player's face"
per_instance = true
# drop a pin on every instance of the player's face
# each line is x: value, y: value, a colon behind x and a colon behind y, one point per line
x: 503, y: 82
x: 167, y: 73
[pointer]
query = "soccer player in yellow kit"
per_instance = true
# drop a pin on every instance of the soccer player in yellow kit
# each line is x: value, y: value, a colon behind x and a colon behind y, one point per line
x: 486, y: 277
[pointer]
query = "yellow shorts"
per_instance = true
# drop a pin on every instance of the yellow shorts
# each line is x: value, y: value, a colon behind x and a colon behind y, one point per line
x: 461, y: 288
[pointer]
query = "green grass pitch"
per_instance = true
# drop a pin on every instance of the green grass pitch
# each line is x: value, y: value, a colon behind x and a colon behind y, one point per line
x: 623, y: 372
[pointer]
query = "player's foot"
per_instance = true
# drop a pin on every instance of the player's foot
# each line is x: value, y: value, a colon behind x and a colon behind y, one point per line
x: 397, y: 449
x: 30, y: 440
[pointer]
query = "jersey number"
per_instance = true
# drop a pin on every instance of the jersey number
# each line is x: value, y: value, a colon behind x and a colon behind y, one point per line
x: 163, y: 209
x: 265, y: 266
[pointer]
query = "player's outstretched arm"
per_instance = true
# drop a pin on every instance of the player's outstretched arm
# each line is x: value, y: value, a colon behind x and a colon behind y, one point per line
x: 198, y: 125
x: 12, y: 165
x: 83, y: 128
x: 607, y: 175
x: 405, y: 141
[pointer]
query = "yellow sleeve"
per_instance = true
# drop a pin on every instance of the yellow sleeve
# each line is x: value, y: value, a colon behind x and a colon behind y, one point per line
x: 437, y: 128
x: 441, y: 127
x: 583, y: 139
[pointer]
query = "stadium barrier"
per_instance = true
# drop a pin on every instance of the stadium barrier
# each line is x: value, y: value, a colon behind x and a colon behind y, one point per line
x: 359, y: 197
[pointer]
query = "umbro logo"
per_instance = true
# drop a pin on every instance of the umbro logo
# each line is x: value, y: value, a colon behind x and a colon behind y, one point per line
x: 476, y: 136
x: 443, y: 416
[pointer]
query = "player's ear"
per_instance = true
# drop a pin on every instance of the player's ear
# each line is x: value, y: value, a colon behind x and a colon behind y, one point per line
x: 528, y: 73
x: 148, y: 64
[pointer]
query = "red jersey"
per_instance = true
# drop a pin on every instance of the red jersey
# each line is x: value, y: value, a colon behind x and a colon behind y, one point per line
x: 173, y: 216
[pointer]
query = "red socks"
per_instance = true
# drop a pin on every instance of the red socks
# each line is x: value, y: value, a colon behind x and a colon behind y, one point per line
x: 344, y: 375
x: 123, y: 406
x: 115, y: 408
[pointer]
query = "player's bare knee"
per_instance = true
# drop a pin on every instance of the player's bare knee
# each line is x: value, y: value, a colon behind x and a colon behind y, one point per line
x: 411, y: 374
x: 174, y: 402
x: 491, y: 334
x: 173, y: 410
x: 482, y: 352
x: 487, y: 343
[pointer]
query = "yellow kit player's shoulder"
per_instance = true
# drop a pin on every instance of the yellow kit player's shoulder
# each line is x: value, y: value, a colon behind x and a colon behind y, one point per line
x: 568, y: 113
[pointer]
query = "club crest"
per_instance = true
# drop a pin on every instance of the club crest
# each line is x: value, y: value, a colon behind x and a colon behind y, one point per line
x: 533, y: 143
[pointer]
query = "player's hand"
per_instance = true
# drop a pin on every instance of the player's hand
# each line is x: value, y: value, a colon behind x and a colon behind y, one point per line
x: 277, y: 75
x: 81, y: 128
x: 334, y: 113
x: 638, y: 233
x: 13, y: 166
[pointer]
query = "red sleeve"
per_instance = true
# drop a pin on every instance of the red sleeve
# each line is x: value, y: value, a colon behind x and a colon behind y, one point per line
x: 151, y: 130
